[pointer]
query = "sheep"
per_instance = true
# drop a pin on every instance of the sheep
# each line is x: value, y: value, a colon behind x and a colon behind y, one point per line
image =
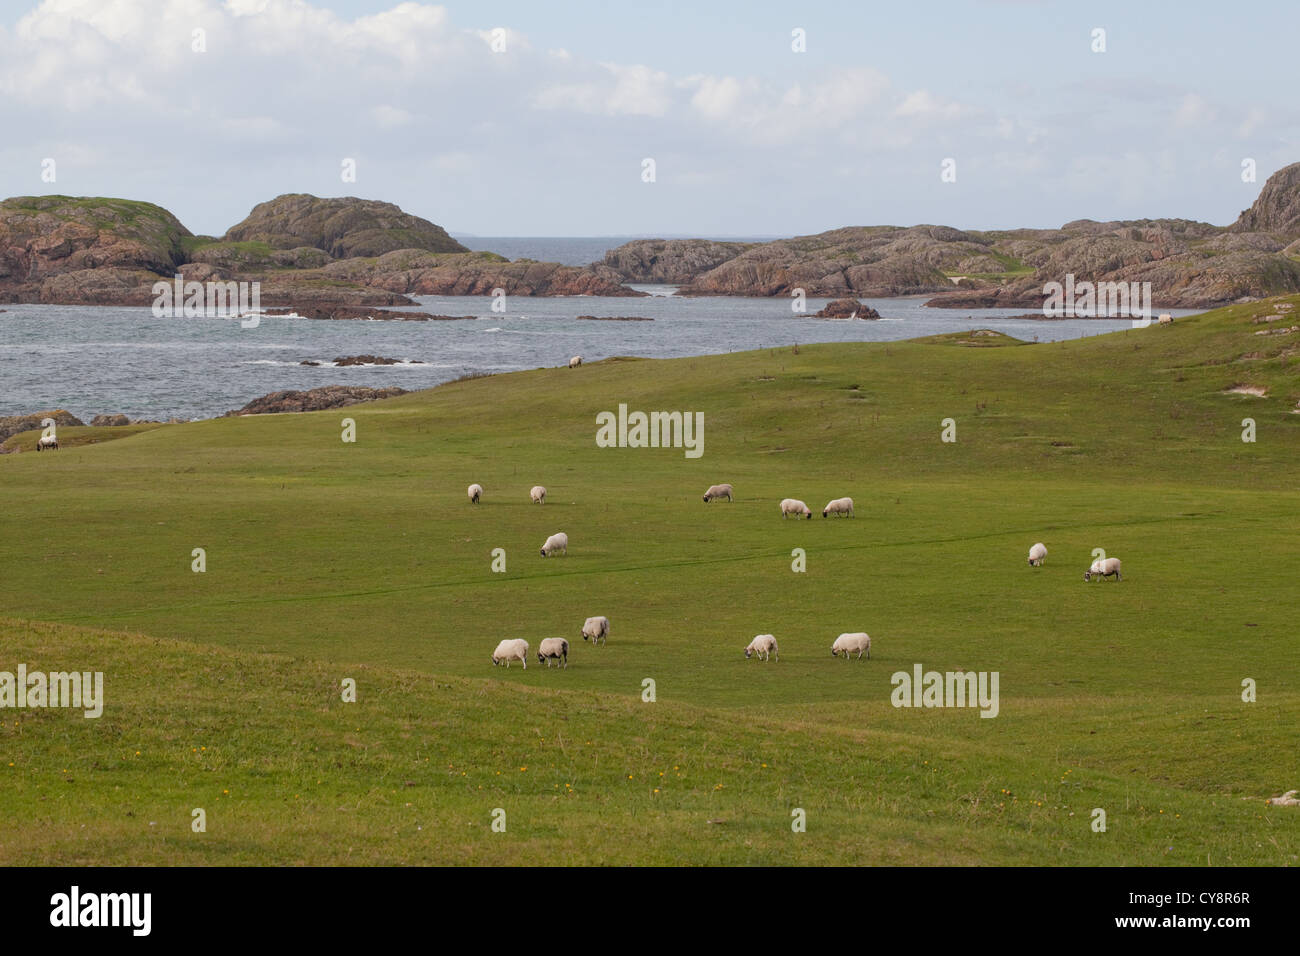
x: 1037, y: 555
x: 556, y: 542
x: 575, y: 361
x: 475, y: 492
x: 1165, y: 319
x: 717, y: 491
x: 764, y: 647
x: 846, y: 644
x: 793, y: 506
x: 840, y: 506
x: 553, y: 648
x: 538, y: 495
x: 1104, y: 567
x: 511, y: 650
x: 596, y: 629
x: 47, y: 441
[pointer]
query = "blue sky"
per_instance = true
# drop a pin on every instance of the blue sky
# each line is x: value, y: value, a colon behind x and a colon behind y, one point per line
x: 549, y: 136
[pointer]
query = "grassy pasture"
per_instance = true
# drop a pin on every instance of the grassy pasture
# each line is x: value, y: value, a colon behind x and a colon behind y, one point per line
x: 327, y: 560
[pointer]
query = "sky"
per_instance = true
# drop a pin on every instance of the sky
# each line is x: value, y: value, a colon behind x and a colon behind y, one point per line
x: 503, y: 118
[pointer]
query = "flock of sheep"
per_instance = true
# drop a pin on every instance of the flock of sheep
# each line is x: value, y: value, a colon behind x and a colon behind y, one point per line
x: 594, y: 629
x: 1101, y: 567
x: 763, y: 646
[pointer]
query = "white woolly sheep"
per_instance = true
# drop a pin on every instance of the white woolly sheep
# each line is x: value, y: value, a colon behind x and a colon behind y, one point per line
x: 1104, y: 567
x: 847, y: 644
x: 47, y: 441
x: 475, y: 492
x: 553, y: 649
x: 1037, y: 555
x: 556, y: 542
x: 763, y: 646
x: 538, y: 495
x: 1165, y: 319
x: 596, y: 630
x: 793, y: 506
x: 840, y: 506
x: 717, y: 491
x: 575, y: 361
x: 515, y: 649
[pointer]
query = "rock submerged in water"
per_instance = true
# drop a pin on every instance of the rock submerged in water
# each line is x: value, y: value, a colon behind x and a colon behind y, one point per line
x: 614, y: 318
x: 314, y: 400
x: 846, y: 309
x: 348, y: 360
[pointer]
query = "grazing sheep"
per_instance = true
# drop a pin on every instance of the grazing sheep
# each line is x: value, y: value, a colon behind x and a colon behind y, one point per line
x: 717, y: 491
x: 596, y: 630
x: 553, y: 649
x: 47, y: 441
x: 1104, y: 567
x: 840, y: 506
x: 538, y: 495
x: 575, y: 361
x: 846, y: 644
x: 764, y: 646
x: 475, y: 492
x: 511, y: 650
x: 556, y: 542
x: 793, y: 506
x: 1037, y: 555
x: 1165, y: 319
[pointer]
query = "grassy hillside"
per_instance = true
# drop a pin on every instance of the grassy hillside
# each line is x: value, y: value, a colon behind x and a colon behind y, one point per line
x: 364, y: 559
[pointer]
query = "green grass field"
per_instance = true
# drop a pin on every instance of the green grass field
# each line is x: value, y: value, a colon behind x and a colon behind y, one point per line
x: 328, y: 560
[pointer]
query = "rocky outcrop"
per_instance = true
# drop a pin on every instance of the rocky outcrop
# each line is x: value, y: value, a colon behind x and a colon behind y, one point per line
x: 343, y: 228
x: 109, y: 421
x: 314, y: 400
x: 477, y: 273
x: 614, y: 318
x: 670, y: 261
x: 63, y: 249
x: 846, y: 309
x: 328, y: 255
x: 11, y: 425
x: 1277, y: 210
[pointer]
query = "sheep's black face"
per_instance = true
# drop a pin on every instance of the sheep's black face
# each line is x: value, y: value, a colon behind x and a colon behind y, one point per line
x: 1087, y: 575
x: 823, y: 514
x: 748, y: 653
x: 706, y: 499
x: 543, y: 552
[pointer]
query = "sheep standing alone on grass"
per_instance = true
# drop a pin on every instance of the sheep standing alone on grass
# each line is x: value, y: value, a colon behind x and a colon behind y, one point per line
x: 1037, y: 555
x: 553, y: 649
x: 575, y: 361
x: 1104, y: 567
x: 538, y: 495
x: 840, y: 506
x: 764, y: 646
x: 717, y: 491
x: 47, y: 441
x: 475, y: 492
x: 847, y: 644
x: 515, y: 649
x: 556, y: 542
x: 793, y: 506
x: 595, y: 629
